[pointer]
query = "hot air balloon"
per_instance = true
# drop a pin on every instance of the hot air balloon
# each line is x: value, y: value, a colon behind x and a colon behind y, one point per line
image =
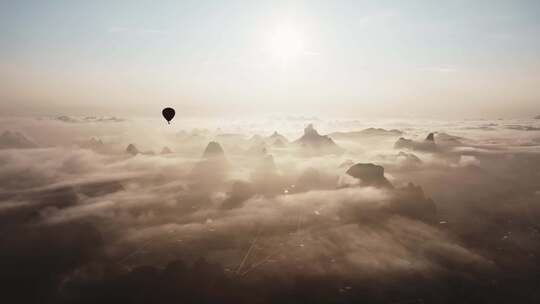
x: 168, y: 114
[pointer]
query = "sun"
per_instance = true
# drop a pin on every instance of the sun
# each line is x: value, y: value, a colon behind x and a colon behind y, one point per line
x: 286, y: 42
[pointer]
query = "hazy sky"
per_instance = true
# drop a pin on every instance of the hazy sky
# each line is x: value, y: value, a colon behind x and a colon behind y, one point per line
x: 343, y: 58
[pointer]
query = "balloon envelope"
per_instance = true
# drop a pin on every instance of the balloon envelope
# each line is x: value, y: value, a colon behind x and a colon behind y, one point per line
x: 168, y: 113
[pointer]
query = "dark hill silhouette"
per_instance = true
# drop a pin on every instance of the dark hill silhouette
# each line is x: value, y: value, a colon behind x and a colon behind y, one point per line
x: 428, y: 145
x: 275, y: 137
x: 213, y: 149
x: 15, y: 140
x: 369, y: 175
x: 213, y: 168
x: 317, y: 143
x: 132, y: 149
x: 94, y: 144
x: 370, y: 132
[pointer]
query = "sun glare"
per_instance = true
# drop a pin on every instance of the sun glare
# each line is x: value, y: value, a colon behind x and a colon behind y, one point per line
x: 286, y: 42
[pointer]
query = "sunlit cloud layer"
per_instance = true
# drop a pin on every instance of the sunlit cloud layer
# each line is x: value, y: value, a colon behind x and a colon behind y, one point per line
x: 463, y: 206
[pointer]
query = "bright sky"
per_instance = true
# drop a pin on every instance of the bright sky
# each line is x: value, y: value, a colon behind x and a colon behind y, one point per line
x: 344, y: 58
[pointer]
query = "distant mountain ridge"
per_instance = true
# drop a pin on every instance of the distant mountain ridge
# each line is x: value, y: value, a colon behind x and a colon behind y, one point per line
x: 316, y: 142
x: 366, y: 133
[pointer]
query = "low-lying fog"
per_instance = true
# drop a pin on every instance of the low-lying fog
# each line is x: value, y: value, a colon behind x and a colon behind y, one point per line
x: 294, y: 209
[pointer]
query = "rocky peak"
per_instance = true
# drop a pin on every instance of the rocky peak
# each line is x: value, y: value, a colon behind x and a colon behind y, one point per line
x: 15, y: 140
x: 213, y: 149
x: 310, y: 131
x: 316, y: 143
x: 132, y: 149
x: 369, y: 175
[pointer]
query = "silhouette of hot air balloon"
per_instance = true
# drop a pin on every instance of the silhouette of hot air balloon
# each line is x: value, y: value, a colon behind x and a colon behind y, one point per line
x: 168, y: 113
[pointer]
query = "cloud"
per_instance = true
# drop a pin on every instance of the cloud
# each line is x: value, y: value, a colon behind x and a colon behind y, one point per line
x: 84, y: 223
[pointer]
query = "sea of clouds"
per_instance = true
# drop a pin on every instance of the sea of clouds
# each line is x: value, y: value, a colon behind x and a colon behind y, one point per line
x: 83, y: 221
